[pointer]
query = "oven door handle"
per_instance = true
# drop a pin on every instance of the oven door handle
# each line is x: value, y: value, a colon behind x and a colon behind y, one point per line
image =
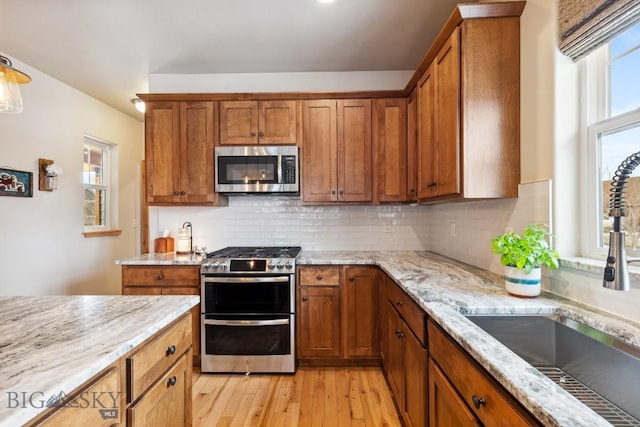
x: 278, y: 279
x: 247, y: 322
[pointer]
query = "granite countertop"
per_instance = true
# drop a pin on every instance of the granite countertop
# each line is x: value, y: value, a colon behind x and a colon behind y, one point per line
x: 53, y: 344
x: 448, y: 290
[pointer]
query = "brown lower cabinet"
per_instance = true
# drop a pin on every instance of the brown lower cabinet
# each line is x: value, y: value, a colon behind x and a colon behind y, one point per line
x: 337, y: 315
x: 406, y: 357
x: 461, y: 393
x: 166, y: 280
x: 149, y: 386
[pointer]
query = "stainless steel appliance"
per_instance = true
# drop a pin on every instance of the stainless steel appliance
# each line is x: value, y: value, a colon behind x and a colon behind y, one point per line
x: 257, y: 169
x: 248, y: 309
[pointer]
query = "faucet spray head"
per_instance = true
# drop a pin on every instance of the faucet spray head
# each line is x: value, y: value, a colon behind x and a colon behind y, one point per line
x: 616, y: 274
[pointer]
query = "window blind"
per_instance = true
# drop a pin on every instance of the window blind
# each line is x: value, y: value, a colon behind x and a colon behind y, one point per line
x: 585, y: 25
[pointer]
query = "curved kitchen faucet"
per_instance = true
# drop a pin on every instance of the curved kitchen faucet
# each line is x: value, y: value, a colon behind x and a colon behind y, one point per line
x: 616, y: 274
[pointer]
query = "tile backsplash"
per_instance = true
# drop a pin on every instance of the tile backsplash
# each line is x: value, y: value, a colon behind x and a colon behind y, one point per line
x: 282, y: 220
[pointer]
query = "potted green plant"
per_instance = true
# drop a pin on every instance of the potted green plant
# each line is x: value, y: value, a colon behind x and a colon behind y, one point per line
x: 522, y: 256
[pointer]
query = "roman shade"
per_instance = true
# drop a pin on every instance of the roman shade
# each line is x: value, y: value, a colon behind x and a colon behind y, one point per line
x: 585, y: 25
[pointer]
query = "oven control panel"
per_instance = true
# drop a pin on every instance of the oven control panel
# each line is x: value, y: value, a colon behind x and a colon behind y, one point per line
x: 248, y: 266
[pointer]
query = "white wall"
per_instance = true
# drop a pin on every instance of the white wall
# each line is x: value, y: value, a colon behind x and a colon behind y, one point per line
x: 43, y: 250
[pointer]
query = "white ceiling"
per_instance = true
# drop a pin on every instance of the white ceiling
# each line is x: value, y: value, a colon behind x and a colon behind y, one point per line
x: 108, y: 48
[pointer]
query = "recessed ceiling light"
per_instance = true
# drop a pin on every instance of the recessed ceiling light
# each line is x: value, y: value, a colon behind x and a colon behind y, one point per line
x: 325, y: 1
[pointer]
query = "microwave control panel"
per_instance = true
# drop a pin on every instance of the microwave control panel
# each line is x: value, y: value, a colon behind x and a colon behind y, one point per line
x: 289, y: 169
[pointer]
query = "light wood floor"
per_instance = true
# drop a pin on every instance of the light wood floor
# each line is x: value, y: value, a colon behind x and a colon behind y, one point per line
x: 328, y: 397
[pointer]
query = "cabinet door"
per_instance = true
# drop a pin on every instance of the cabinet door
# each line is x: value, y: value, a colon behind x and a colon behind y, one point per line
x: 382, y: 322
x: 319, y: 151
x: 395, y: 355
x: 390, y: 144
x: 277, y: 122
x: 238, y: 122
x: 354, y: 150
x: 162, y: 152
x: 360, y: 289
x: 415, y: 367
x: 412, y: 146
x: 426, y: 146
x: 319, y: 322
x: 168, y: 401
x: 446, y: 409
x: 447, y: 117
x: 197, y: 152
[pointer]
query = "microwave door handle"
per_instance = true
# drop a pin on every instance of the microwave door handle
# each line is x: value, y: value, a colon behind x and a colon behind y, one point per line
x: 247, y: 322
x: 279, y: 279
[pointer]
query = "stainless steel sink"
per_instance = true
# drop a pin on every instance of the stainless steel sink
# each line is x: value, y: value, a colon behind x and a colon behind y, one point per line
x: 596, y: 368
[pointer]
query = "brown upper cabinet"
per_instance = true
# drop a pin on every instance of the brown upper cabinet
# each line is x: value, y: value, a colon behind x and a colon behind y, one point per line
x: 258, y: 122
x: 336, y: 151
x: 179, y: 146
x: 390, y: 149
x: 468, y: 117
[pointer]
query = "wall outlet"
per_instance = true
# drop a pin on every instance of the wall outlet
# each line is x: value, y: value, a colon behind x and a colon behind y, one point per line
x: 452, y: 229
x: 386, y: 226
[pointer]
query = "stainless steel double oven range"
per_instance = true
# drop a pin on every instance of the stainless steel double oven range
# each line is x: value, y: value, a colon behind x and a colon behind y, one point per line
x: 248, y: 310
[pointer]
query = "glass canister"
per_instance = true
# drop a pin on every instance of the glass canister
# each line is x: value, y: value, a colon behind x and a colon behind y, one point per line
x: 185, y: 239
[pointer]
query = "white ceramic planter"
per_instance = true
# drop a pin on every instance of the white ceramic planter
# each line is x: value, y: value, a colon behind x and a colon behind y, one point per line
x: 522, y: 284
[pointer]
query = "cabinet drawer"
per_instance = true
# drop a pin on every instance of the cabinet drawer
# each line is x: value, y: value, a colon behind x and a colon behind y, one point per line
x: 157, y: 275
x: 147, y: 364
x: 168, y: 401
x: 319, y: 276
x: 498, y: 408
x: 105, y: 411
x: 408, y: 309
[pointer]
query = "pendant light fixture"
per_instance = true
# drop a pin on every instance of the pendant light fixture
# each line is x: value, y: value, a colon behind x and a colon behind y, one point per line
x: 10, y: 78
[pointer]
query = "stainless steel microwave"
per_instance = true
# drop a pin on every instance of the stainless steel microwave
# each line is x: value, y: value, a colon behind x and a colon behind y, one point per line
x: 257, y: 169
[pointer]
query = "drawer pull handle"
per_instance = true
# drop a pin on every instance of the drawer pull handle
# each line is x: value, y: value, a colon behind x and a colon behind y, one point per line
x: 160, y: 276
x: 319, y: 277
x: 171, y: 350
x: 478, y: 401
x: 399, y: 303
x: 171, y: 381
x: 399, y: 333
x: 304, y: 298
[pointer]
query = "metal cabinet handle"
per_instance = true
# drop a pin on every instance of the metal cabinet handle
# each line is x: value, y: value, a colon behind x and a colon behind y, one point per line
x: 171, y: 350
x: 305, y: 298
x: 399, y: 333
x: 253, y: 134
x: 261, y: 133
x: 478, y: 401
x: 160, y: 276
x: 351, y: 278
x: 333, y: 192
x: 171, y: 381
x: 183, y: 193
x: 319, y: 277
x: 432, y: 184
x: 399, y: 303
x: 341, y: 191
x: 175, y: 193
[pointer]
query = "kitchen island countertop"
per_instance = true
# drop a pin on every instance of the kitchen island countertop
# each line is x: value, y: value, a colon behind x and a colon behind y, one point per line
x: 54, y: 344
x: 448, y: 290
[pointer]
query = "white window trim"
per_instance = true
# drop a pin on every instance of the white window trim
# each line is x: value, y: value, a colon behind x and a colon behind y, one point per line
x: 595, y: 89
x: 110, y: 177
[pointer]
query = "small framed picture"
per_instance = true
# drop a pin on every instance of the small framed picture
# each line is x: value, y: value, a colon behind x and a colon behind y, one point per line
x: 16, y: 183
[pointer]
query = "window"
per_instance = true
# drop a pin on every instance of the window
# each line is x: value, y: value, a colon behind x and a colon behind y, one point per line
x: 613, y: 118
x: 98, y: 185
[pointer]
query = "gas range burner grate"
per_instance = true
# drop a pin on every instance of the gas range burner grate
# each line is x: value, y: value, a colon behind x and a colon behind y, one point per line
x: 256, y: 252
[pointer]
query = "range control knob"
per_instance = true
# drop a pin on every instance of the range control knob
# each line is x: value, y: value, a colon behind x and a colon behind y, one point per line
x: 271, y: 265
x: 223, y: 266
x: 206, y: 266
x: 288, y: 265
x: 214, y: 266
x: 280, y: 266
